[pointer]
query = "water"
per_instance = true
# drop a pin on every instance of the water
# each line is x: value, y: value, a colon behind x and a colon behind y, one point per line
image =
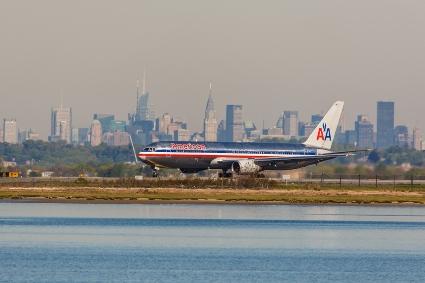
x: 210, y: 243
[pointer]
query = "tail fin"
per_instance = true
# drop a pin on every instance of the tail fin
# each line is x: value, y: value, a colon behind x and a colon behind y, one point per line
x: 324, y: 134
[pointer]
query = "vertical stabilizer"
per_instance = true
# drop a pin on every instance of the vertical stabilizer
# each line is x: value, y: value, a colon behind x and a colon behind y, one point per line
x: 324, y: 134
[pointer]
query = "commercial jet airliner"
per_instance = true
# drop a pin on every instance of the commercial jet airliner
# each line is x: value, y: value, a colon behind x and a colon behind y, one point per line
x: 246, y: 158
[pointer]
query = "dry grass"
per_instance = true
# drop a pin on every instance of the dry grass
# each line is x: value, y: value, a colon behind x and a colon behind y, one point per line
x: 306, y: 195
x: 198, y: 183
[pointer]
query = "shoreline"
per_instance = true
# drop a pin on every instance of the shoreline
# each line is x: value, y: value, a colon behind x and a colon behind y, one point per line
x: 216, y: 196
x: 202, y: 202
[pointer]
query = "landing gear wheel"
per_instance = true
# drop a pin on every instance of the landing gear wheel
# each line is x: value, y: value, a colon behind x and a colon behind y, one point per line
x: 155, y: 173
x: 225, y: 175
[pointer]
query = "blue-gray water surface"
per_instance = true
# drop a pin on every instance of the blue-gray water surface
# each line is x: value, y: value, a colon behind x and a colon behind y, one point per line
x: 210, y: 243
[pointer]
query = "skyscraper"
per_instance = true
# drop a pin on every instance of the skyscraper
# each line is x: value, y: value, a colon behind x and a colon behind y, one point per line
x: 417, y: 139
x: 210, y: 121
x: 221, y: 131
x: 234, y: 123
x: 385, y: 124
x: 61, y: 124
x: 10, y: 131
x: 74, y: 135
x: 251, y: 131
x: 106, y: 120
x: 350, y: 137
x: 164, y: 122
x: 121, y: 138
x: 80, y: 136
x: 95, y: 133
x: 32, y: 135
x: 141, y: 123
x: 279, y: 123
x: 401, y: 136
x: 308, y: 129
x: 118, y: 126
x: 143, y: 110
x: 364, y: 132
x: 290, y: 123
x: 316, y: 118
x: 182, y: 135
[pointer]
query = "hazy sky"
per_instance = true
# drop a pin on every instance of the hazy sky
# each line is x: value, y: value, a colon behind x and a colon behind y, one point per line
x: 269, y: 56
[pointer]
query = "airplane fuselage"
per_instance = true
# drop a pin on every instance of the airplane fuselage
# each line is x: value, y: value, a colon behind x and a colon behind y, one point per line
x: 192, y: 157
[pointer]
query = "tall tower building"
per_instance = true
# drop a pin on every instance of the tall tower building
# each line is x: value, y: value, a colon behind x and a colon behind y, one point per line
x: 401, y: 136
x: 417, y: 143
x: 234, y: 123
x: 141, y: 123
x: 61, y: 124
x: 106, y: 120
x: 164, y: 122
x: 210, y: 121
x: 143, y: 110
x: 10, y: 131
x: 279, y: 123
x: 385, y: 124
x: 364, y: 132
x: 290, y: 123
x: 95, y: 133
x: 221, y: 131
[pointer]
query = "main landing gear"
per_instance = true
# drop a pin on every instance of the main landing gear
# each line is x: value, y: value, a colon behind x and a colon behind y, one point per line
x: 225, y: 174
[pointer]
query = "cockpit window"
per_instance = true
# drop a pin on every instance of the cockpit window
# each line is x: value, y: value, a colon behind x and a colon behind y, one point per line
x: 149, y: 149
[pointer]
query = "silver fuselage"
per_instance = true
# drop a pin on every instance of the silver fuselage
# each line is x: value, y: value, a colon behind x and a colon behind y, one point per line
x: 198, y: 156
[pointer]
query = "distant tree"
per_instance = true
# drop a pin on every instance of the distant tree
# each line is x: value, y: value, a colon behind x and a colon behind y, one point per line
x: 374, y: 157
x: 341, y: 170
x: 362, y: 170
x: 381, y: 169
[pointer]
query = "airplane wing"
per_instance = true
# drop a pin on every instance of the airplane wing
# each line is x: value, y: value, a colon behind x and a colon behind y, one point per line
x: 308, y: 158
x: 311, y: 159
x: 296, y: 159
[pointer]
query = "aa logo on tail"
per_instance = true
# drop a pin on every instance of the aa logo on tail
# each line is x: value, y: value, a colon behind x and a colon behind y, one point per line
x: 324, y: 133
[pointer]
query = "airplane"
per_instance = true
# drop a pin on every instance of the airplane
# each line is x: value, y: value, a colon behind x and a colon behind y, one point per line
x: 247, y: 158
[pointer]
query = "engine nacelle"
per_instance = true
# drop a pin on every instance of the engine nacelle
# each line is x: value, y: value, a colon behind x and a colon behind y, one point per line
x: 245, y: 167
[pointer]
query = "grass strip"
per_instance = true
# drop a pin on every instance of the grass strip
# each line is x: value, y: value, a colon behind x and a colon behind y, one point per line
x: 223, y: 195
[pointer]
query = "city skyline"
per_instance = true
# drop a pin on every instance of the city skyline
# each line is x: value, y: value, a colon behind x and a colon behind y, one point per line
x: 301, y: 117
x: 270, y: 58
x: 145, y: 129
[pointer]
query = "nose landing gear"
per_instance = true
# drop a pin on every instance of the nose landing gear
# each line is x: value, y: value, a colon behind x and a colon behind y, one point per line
x: 155, y: 173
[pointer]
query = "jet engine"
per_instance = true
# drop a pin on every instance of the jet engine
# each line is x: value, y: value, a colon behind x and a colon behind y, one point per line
x: 245, y: 167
